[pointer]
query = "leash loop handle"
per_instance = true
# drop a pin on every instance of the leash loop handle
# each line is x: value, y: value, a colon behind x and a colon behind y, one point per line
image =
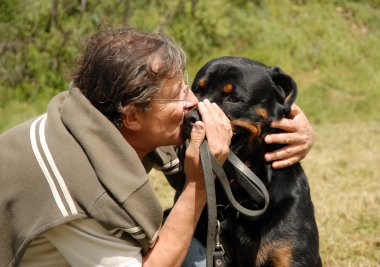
x: 251, y: 183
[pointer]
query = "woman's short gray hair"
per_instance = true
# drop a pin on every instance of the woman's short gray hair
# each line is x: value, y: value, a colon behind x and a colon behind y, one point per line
x: 116, y: 69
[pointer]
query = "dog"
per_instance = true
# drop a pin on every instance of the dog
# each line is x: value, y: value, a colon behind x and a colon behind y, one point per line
x: 252, y: 95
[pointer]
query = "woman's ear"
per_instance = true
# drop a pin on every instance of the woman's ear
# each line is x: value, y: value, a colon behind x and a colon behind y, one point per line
x: 131, y: 118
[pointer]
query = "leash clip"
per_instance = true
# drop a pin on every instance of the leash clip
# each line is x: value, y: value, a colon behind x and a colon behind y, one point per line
x: 219, y: 250
x: 218, y: 245
x: 219, y: 260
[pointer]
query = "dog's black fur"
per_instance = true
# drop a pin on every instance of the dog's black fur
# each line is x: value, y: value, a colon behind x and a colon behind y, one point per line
x: 252, y: 95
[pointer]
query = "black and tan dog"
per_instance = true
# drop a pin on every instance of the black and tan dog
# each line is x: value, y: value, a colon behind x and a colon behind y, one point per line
x: 253, y: 95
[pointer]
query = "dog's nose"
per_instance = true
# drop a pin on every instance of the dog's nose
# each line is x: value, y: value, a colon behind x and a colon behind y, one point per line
x: 193, y: 116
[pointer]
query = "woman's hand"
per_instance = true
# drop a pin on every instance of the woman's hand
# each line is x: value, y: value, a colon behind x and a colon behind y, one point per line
x: 192, y: 164
x: 299, y: 137
x: 218, y: 129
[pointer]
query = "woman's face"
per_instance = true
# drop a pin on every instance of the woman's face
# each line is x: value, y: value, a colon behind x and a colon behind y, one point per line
x: 162, y: 124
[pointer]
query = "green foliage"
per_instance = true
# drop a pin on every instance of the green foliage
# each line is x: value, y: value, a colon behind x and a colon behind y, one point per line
x: 330, y: 47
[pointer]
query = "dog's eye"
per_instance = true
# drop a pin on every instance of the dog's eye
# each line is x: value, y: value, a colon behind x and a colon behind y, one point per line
x: 196, y: 91
x: 232, y: 99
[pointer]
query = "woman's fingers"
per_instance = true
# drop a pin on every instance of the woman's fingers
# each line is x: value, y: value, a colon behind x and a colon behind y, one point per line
x: 298, y: 136
x: 218, y: 129
x: 193, y: 164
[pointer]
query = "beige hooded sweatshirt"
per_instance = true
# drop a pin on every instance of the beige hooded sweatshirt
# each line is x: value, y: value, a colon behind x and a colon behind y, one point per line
x: 68, y: 164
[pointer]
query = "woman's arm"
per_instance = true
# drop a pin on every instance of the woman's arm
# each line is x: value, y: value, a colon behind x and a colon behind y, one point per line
x: 177, y: 232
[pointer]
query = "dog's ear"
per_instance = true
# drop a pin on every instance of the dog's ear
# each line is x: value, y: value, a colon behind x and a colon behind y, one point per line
x: 288, y: 86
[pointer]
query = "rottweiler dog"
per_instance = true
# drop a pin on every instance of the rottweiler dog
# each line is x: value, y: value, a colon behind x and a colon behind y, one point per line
x: 252, y: 95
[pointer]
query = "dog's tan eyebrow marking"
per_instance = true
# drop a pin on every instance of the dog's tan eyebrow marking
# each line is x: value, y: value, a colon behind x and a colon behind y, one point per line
x: 228, y: 88
x: 202, y: 82
x: 262, y: 113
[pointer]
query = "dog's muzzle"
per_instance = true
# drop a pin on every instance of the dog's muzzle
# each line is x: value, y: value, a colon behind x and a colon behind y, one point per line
x: 190, y: 118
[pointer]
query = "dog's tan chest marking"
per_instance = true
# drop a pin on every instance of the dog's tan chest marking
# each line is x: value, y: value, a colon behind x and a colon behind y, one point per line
x: 279, y: 253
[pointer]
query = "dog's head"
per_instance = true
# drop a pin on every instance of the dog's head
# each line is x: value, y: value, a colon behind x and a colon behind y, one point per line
x: 250, y: 93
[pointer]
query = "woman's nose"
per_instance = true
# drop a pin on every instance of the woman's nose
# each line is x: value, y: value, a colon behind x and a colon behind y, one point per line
x: 192, y: 100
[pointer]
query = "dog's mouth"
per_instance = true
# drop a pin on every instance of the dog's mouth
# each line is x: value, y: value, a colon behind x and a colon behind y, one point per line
x: 246, y: 134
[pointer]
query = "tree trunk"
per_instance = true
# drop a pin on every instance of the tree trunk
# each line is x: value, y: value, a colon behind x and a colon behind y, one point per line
x: 193, y: 6
x: 127, y: 12
x: 83, y: 6
x: 53, y: 15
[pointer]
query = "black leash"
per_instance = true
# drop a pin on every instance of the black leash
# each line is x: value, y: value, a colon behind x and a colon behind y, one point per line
x: 211, y: 202
x: 249, y: 181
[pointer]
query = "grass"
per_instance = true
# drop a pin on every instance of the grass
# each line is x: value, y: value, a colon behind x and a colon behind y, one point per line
x: 164, y: 192
x: 345, y: 186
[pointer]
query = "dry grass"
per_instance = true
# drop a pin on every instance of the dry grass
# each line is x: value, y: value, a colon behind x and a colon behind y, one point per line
x: 345, y: 181
x: 344, y: 178
x: 164, y: 192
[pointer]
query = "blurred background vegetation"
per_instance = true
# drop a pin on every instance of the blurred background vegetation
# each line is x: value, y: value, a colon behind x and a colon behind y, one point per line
x: 330, y: 47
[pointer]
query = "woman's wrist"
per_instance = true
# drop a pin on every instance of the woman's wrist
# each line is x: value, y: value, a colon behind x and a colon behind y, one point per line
x: 196, y: 188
